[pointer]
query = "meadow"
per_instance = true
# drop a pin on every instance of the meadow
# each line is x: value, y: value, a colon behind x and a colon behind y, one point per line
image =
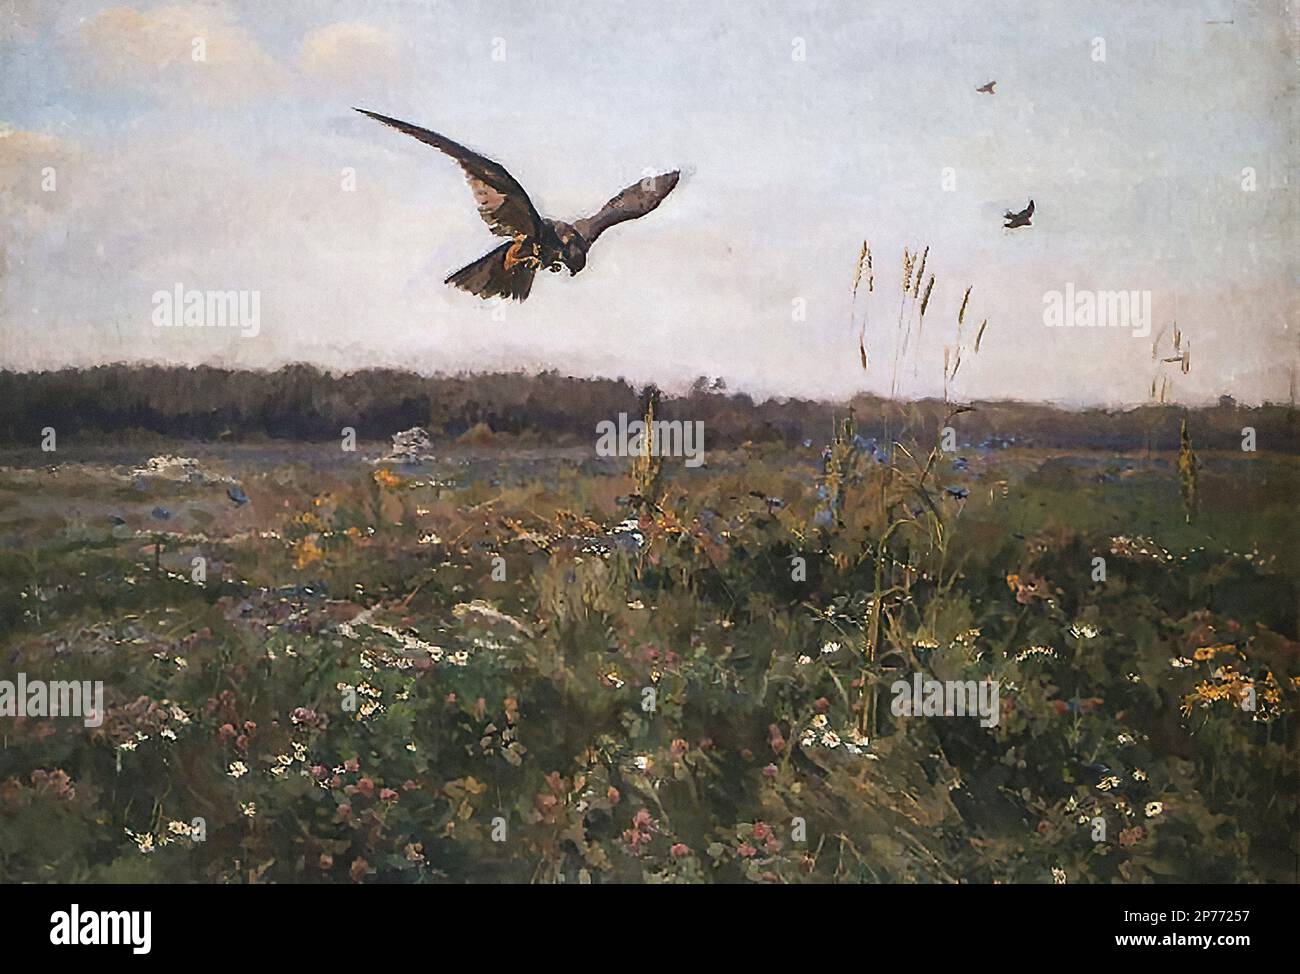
x: 531, y: 664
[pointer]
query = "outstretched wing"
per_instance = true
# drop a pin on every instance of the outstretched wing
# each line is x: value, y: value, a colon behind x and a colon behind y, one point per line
x: 1024, y: 214
x: 502, y: 202
x: 635, y: 201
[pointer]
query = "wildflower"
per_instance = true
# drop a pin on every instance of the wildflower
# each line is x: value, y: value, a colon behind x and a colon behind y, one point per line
x: 679, y: 850
x: 1108, y: 782
x: 248, y: 808
x: 828, y: 648
x: 1139, y: 774
x: 831, y: 739
x: 1024, y: 654
x: 1153, y: 809
x: 804, y: 660
x: 776, y: 739
x: 1131, y: 837
x: 302, y: 715
x: 1058, y: 875
x: 237, y: 770
x: 143, y: 841
x: 857, y: 739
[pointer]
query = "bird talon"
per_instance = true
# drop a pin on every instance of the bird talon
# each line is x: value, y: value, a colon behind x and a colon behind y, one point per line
x: 514, y: 257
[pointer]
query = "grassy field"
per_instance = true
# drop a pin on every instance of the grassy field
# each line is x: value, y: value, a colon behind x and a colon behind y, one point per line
x: 539, y: 666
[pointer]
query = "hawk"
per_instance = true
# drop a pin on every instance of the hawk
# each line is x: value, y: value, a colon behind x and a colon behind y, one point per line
x: 1020, y: 219
x: 535, y: 241
x: 987, y: 88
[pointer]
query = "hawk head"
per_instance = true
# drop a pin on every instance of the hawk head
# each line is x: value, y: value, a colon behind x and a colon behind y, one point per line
x: 573, y: 249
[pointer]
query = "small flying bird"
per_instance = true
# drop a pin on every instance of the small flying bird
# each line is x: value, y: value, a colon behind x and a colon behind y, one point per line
x: 987, y: 89
x: 1020, y: 219
x: 535, y: 242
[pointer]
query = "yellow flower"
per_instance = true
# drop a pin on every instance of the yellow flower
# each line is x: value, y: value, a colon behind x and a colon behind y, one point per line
x: 386, y: 478
x: 1208, y: 652
x: 307, y: 552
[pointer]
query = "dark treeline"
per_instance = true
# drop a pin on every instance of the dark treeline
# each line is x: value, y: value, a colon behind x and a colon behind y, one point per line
x: 301, y: 402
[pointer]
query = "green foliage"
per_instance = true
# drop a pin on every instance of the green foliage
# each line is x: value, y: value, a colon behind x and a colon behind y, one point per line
x: 651, y: 693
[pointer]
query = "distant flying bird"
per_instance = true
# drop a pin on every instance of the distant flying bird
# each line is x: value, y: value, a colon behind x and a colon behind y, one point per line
x: 1020, y: 219
x: 988, y: 88
x: 536, y: 242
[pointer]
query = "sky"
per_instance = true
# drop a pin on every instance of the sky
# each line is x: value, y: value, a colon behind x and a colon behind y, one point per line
x: 1158, y: 141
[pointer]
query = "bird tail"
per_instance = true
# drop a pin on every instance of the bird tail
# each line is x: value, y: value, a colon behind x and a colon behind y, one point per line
x: 489, y: 277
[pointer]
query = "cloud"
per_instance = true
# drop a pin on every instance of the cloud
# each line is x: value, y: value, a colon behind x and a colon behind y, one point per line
x: 344, y: 52
x: 39, y: 181
x: 194, y: 51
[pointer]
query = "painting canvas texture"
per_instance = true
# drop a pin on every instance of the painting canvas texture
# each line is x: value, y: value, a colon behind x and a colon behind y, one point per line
x: 710, y: 443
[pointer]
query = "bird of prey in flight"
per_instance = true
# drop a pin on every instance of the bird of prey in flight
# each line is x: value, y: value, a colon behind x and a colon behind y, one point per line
x: 535, y: 241
x: 1020, y: 219
x: 987, y: 88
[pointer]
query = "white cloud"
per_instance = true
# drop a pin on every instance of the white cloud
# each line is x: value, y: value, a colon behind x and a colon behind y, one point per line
x: 346, y: 52
x: 197, y: 52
